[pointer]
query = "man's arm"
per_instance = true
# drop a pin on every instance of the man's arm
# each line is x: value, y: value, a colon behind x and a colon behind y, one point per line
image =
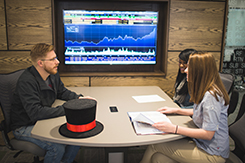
x: 62, y: 92
x: 33, y: 102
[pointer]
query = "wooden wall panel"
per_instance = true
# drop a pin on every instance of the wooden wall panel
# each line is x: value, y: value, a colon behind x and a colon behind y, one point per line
x: 14, y: 60
x: 196, y: 24
x: 75, y: 81
x: 29, y: 22
x: 217, y: 58
x: 3, y: 39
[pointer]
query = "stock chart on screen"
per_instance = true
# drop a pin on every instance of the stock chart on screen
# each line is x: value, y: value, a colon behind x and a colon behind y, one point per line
x: 110, y: 37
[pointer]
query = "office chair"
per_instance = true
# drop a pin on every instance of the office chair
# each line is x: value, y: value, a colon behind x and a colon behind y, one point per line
x: 7, y: 87
x: 233, y: 101
x: 228, y: 81
x: 237, y: 133
x: 241, y: 110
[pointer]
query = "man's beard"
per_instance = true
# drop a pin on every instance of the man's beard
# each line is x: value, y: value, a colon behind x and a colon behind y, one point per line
x: 51, y: 71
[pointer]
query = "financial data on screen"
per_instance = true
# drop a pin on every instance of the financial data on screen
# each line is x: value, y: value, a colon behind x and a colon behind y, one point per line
x: 110, y: 37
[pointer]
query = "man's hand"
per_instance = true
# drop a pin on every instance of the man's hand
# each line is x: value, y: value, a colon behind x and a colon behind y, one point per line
x: 87, y: 97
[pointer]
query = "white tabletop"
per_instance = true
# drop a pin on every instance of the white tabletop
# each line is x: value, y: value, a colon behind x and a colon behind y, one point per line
x: 118, y: 130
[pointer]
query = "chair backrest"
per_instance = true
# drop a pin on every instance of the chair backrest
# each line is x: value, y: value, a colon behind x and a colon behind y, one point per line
x: 242, y: 109
x: 7, y: 88
x: 228, y: 81
x: 233, y: 101
x: 237, y: 133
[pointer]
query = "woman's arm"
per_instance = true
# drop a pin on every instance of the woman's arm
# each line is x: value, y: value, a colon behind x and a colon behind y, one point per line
x: 197, y: 133
x: 190, y: 132
x: 168, y: 110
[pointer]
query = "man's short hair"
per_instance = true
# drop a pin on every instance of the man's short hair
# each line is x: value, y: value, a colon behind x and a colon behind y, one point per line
x: 39, y: 51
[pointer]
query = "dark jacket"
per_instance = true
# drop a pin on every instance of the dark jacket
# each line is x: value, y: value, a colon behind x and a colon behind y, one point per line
x: 33, y: 98
x: 181, y: 96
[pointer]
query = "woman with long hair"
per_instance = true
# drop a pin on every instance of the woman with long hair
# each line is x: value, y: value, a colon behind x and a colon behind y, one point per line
x: 209, y: 142
x: 181, y: 95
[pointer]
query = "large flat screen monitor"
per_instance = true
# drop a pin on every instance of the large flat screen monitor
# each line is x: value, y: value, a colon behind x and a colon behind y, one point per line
x: 97, y: 37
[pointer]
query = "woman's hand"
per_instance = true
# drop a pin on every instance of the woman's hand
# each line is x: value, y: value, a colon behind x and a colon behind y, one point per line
x: 165, y: 127
x: 197, y: 133
x: 168, y: 110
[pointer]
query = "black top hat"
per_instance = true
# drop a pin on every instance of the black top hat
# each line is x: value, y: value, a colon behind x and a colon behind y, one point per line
x: 80, y: 116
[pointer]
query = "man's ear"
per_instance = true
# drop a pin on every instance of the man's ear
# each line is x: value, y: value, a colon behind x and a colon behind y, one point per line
x: 40, y: 63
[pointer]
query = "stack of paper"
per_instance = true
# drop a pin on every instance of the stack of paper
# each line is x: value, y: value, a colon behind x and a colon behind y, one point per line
x: 142, y: 121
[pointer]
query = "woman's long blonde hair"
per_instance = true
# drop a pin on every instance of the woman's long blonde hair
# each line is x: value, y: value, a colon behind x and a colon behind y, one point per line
x: 203, y: 76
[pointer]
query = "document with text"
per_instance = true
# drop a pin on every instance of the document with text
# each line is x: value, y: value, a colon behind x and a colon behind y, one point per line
x: 142, y: 122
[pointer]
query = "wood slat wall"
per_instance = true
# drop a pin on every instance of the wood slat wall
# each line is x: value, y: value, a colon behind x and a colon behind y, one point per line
x: 14, y: 60
x: 3, y: 39
x: 196, y: 24
x: 193, y: 24
x: 29, y: 22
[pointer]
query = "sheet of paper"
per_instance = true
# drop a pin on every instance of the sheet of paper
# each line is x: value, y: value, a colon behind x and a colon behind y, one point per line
x: 143, y: 119
x: 148, y: 98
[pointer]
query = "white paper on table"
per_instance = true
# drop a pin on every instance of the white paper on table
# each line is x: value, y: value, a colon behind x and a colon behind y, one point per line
x: 148, y: 98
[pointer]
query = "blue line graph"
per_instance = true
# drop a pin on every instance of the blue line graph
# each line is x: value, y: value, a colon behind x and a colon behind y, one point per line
x: 110, y: 36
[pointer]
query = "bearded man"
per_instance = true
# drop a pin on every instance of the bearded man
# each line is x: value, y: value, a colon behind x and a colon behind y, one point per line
x: 36, y: 90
